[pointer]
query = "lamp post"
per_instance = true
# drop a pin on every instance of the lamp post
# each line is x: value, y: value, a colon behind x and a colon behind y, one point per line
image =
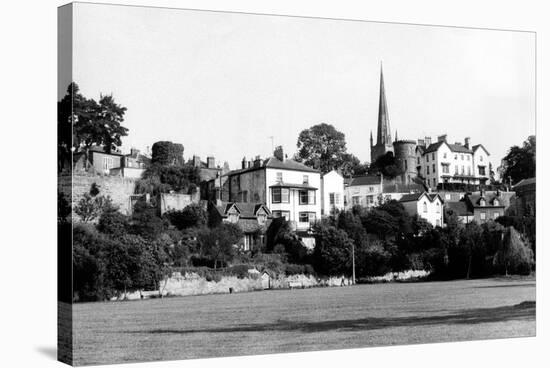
x: 353, y: 263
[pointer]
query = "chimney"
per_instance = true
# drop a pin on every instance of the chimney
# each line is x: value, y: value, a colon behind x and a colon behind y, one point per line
x: 196, y: 161
x: 210, y: 162
x: 257, y: 161
x: 421, y: 142
x: 428, y: 141
x: 442, y: 138
x: 467, y: 142
x: 278, y: 153
x: 243, y: 163
x: 134, y: 152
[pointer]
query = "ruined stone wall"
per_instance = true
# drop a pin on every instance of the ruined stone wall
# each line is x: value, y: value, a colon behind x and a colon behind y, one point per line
x: 116, y: 187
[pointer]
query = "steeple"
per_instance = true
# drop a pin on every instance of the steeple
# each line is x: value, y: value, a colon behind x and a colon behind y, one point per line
x: 384, y: 133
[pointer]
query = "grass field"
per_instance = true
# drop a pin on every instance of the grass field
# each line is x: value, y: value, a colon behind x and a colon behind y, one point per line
x: 303, y: 320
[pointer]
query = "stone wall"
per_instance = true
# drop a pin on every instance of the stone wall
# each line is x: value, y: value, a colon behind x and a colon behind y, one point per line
x: 116, y: 187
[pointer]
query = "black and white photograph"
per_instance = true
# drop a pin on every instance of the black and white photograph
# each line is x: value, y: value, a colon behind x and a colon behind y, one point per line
x: 236, y: 184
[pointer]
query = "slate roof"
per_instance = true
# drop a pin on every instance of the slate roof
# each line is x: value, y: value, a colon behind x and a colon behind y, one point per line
x: 246, y: 210
x: 411, y: 197
x: 364, y: 180
x: 525, y: 182
x: 453, y: 147
x: 460, y: 208
x: 475, y: 198
x: 474, y: 148
x: 275, y: 163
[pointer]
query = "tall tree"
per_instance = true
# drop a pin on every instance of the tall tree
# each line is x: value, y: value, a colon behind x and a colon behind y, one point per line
x: 321, y: 147
x: 520, y: 162
x: 84, y: 123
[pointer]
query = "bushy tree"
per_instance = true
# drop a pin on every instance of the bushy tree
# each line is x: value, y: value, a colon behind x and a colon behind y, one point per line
x: 332, y: 252
x: 520, y: 162
x: 161, y: 179
x: 321, y: 147
x: 219, y: 243
x: 92, y: 204
x: 386, y: 165
x: 279, y: 233
x: 514, y: 256
x: 193, y: 215
x: 113, y: 223
x: 146, y: 222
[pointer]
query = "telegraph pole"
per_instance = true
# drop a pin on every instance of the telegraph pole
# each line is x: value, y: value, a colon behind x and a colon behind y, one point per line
x: 353, y: 263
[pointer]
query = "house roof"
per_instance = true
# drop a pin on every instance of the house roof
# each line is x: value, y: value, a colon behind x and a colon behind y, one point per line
x: 477, y: 146
x: 102, y: 150
x: 291, y: 185
x: 402, y: 188
x: 525, y: 182
x: 411, y: 197
x: 459, y: 207
x: 246, y: 210
x: 365, y: 180
x: 489, y: 198
x: 453, y: 147
x: 275, y: 163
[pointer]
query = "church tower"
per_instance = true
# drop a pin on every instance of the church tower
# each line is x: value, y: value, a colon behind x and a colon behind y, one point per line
x: 383, y: 136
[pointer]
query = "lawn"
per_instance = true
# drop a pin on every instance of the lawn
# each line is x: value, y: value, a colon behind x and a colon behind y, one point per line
x: 278, y: 321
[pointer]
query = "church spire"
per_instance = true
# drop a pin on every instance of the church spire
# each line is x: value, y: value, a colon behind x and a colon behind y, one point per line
x: 384, y: 133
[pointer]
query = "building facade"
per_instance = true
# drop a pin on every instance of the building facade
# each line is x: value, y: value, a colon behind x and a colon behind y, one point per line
x: 443, y: 163
x: 332, y: 193
x: 428, y: 206
x: 288, y: 188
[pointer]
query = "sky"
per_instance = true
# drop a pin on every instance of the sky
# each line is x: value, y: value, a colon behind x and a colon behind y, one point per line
x: 222, y: 83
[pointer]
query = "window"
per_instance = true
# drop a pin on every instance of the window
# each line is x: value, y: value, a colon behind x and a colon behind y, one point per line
x: 280, y: 195
x: 285, y: 214
x: 433, y: 155
x: 495, y: 215
x: 331, y: 199
x: 371, y: 189
x: 445, y: 155
x: 447, y: 196
x: 370, y: 200
x: 469, y: 170
x: 355, y: 200
x: 425, y: 207
x: 244, y: 196
x: 418, y: 160
x: 427, y: 158
x: 462, y: 171
x: 481, y: 158
x: 279, y: 177
x: 433, y: 168
x: 482, y: 202
x: 306, y: 179
x: 495, y: 202
x: 233, y: 217
x: 406, y: 165
x: 437, y: 208
x: 107, y: 163
x: 334, y: 199
x: 306, y: 217
x: 438, y: 222
x: 482, y: 216
x: 481, y: 170
x: 456, y: 170
x: 468, y: 157
x: 307, y: 197
x: 462, y: 157
x: 427, y: 170
x: 434, y: 182
x: 445, y: 168
x: 456, y: 157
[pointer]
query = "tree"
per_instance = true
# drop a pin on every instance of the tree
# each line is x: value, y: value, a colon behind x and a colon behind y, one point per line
x: 471, y: 240
x: 386, y: 165
x: 219, y: 242
x: 520, y: 162
x: 352, y: 166
x: 92, y: 205
x: 113, y: 223
x: 84, y: 123
x: 279, y: 234
x: 321, y: 147
x: 514, y: 255
x: 193, y: 215
x: 332, y: 252
x: 158, y: 178
x: 145, y: 221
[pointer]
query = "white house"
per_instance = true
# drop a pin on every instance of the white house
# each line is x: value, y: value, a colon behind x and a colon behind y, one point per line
x: 332, y: 192
x: 371, y: 190
x: 427, y: 206
x: 288, y: 188
x: 442, y: 162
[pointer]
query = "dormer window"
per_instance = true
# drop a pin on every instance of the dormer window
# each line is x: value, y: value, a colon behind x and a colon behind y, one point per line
x: 482, y: 202
x: 495, y: 202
